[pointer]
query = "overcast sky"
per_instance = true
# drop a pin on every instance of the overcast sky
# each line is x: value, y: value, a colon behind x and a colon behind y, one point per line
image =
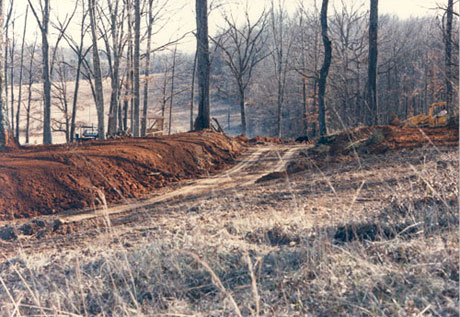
x: 183, y: 19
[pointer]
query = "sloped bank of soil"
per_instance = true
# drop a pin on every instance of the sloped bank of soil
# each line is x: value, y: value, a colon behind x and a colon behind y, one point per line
x: 50, y: 179
x: 346, y: 145
x: 379, y: 139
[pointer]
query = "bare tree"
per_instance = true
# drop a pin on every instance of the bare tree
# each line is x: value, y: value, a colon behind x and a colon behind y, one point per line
x: 372, y: 118
x: 150, y: 21
x: 137, y: 37
x: 43, y: 25
x: 243, y: 49
x: 12, y: 47
x: 448, y: 55
x: 114, y: 40
x: 4, y: 124
x: 164, y: 87
x: 30, y: 82
x: 21, y: 68
x: 130, y: 64
x: 324, y: 69
x: 307, y: 47
x: 155, y: 17
x: 97, y: 71
x: 348, y: 27
x: 172, y: 89
x: 126, y: 96
x: 61, y: 95
x: 282, y: 44
x: 81, y: 53
x: 203, y: 120
x: 192, y: 91
x: 6, y: 64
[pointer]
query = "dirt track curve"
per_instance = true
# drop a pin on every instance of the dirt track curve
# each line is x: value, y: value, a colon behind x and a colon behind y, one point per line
x: 254, y: 164
x: 75, y: 229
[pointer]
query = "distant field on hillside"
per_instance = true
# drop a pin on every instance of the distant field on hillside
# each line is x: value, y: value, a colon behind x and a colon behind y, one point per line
x: 86, y: 111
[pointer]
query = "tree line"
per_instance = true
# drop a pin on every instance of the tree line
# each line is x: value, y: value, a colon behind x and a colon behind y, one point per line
x: 285, y: 74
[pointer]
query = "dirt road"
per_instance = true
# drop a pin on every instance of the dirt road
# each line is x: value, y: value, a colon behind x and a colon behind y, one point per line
x: 251, y: 166
x: 70, y: 228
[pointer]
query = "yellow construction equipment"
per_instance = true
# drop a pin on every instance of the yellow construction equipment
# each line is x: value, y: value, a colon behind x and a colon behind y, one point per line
x: 437, y: 117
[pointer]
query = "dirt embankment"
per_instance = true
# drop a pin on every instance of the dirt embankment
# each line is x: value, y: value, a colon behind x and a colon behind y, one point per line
x: 380, y: 139
x: 346, y: 146
x: 49, y: 179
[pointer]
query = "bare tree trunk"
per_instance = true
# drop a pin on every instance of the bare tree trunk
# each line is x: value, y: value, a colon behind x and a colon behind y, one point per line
x: 203, y: 120
x: 304, y: 104
x: 172, y: 89
x: 164, y: 98
x: 12, y: 50
x: 448, y: 46
x: 18, y: 112
x: 30, y: 83
x: 115, y: 68
x: 192, y: 91
x: 131, y: 87
x: 280, y: 102
x: 5, y: 63
x: 75, y: 100
x: 303, y: 77
x: 372, y: 118
x: 137, y: 36
x: 97, y: 72
x: 120, y: 110
x: 4, y: 125
x: 29, y: 104
x: 126, y: 106
x: 324, y: 69
x: 279, y: 63
x: 147, y: 70
x: 47, y: 138
x: 130, y: 64
x: 146, y: 93
x: 43, y: 25
x: 115, y: 83
x: 242, y: 110
x: 119, y: 113
x: 281, y: 56
x: 314, y: 105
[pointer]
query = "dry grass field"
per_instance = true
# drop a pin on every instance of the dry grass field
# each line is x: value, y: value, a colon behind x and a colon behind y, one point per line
x: 373, y: 235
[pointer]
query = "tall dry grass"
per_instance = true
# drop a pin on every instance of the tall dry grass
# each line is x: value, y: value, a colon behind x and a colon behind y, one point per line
x: 375, y: 240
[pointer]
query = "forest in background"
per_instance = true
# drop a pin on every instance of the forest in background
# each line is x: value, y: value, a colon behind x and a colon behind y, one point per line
x: 264, y: 69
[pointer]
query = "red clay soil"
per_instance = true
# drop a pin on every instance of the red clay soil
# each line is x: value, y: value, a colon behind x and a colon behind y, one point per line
x: 342, y: 147
x: 43, y: 180
x: 380, y: 139
x: 403, y: 137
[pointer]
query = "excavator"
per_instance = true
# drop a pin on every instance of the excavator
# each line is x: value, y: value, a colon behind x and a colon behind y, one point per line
x: 437, y: 117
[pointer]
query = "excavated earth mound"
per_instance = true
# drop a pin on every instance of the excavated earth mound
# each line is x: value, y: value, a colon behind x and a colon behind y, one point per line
x: 379, y: 139
x: 346, y: 145
x: 44, y: 180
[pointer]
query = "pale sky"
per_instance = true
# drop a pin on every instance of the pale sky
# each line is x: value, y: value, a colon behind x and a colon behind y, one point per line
x: 183, y: 19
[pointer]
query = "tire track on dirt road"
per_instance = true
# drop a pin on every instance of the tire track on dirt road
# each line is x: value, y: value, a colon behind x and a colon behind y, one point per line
x: 254, y: 164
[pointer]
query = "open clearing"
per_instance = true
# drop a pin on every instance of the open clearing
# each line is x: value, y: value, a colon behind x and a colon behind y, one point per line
x: 329, y: 229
